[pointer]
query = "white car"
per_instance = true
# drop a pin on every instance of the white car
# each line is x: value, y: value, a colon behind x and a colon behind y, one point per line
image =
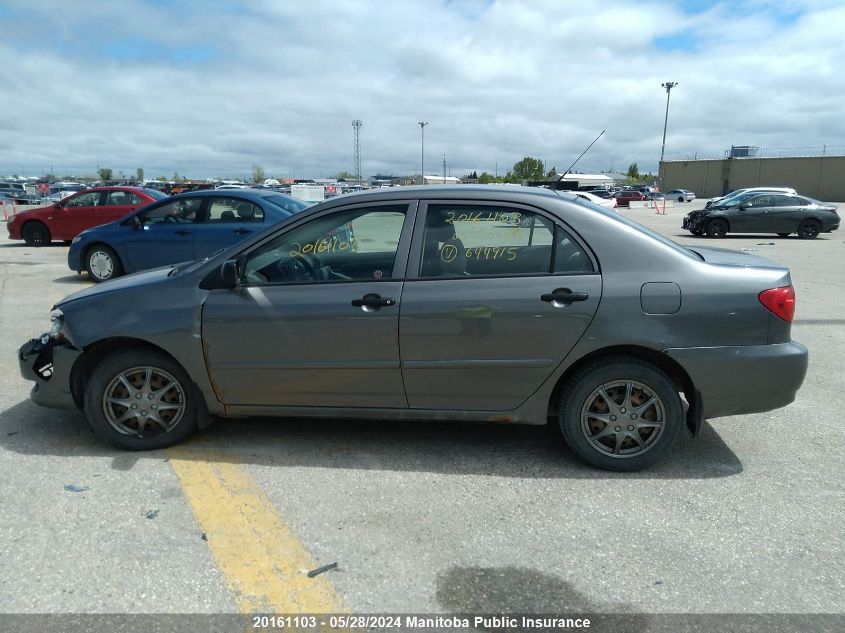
x: 787, y: 190
x: 607, y: 203
x: 681, y: 195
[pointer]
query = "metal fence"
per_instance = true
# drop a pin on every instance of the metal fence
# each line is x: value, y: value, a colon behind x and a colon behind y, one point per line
x: 765, y: 152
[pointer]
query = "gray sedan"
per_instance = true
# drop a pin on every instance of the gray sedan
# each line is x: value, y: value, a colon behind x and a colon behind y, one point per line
x: 756, y: 212
x: 510, y: 305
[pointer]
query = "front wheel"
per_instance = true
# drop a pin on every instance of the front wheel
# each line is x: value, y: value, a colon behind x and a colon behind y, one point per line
x: 140, y: 399
x: 680, y: 198
x: 36, y: 234
x: 696, y: 232
x: 102, y: 263
x: 717, y: 228
x: 809, y: 230
x: 621, y: 414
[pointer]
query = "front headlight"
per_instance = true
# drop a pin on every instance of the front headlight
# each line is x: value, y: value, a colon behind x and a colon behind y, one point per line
x: 57, y: 322
x: 76, y: 240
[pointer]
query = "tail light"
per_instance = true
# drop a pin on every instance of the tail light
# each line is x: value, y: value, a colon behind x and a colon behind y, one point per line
x: 780, y: 302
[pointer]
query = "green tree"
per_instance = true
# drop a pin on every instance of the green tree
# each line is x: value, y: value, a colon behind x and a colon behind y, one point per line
x: 527, y: 169
x: 105, y: 174
x: 139, y: 174
x: 345, y: 175
x: 551, y: 172
x: 486, y: 178
x: 633, y: 171
x: 258, y: 174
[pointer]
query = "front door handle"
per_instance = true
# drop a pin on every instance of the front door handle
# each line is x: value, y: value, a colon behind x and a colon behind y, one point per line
x: 242, y: 231
x: 564, y: 295
x: 372, y: 302
x: 182, y: 232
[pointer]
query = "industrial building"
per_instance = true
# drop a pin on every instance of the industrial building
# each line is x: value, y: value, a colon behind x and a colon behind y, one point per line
x: 820, y: 177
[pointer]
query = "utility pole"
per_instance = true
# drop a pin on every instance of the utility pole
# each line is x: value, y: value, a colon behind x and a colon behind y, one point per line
x: 668, y: 85
x: 422, y: 125
x: 357, y: 124
x: 444, y: 168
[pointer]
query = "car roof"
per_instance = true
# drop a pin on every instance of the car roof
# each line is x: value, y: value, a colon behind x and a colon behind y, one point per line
x: 449, y: 192
x: 243, y: 193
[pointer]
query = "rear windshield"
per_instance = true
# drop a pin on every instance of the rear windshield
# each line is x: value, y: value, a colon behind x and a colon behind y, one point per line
x: 636, y: 225
x: 291, y: 205
x: 155, y: 194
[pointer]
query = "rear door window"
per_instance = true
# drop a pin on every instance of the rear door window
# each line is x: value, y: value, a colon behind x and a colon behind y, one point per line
x: 233, y: 210
x: 461, y: 241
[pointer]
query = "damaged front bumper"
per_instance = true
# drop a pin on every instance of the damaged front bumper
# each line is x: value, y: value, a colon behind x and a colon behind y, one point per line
x: 48, y: 362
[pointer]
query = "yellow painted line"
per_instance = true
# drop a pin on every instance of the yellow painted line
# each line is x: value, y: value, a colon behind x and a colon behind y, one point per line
x: 260, y: 557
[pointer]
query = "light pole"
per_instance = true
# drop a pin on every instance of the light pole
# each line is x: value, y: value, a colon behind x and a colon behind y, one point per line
x: 668, y: 85
x: 422, y: 125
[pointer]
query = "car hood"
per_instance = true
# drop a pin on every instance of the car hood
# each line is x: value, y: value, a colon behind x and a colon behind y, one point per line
x: 31, y: 212
x: 145, y: 278
x: 727, y: 257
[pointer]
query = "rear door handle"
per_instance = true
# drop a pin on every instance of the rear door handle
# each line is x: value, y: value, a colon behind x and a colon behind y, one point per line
x: 242, y: 231
x: 564, y: 295
x: 372, y: 302
x: 182, y: 232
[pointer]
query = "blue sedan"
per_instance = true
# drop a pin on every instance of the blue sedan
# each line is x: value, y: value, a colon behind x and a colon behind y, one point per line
x: 182, y: 228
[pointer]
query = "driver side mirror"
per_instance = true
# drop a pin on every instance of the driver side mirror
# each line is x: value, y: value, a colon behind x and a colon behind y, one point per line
x: 136, y: 222
x: 229, y: 273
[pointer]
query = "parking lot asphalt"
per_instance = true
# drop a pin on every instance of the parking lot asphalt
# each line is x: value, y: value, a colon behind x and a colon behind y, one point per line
x: 426, y: 517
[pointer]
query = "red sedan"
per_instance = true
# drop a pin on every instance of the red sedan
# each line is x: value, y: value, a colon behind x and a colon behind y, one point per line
x: 623, y: 198
x: 67, y: 218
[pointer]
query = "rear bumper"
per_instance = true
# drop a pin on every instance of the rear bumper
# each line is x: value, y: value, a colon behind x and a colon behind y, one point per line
x: 48, y: 365
x: 744, y: 379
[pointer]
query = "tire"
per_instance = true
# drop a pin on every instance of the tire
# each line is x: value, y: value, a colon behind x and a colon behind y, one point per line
x: 144, y: 429
x: 783, y: 234
x: 717, y: 228
x: 102, y: 263
x: 680, y: 198
x: 36, y: 233
x: 809, y: 229
x: 657, y: 425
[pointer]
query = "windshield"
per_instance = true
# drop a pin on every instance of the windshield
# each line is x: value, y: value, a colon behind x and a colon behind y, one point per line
x: 643, y: 229
x: 735, y: 201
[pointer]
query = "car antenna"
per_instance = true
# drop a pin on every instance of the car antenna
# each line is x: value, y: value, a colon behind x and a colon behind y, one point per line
x: 579, y: 158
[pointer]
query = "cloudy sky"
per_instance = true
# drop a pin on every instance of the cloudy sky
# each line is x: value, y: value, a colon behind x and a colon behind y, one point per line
x: 211, y: 87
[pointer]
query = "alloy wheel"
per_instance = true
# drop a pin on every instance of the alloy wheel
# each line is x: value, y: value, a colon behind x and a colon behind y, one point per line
x: 144, y: 401
x: 623, y: 418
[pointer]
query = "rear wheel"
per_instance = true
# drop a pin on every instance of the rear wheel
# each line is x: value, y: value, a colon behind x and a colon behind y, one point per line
x: 102, y: 263
x: 717, y: 228
x: 36, y: 234
x: 140, y: 399
x: 809, y: 229
x: 621, y: 414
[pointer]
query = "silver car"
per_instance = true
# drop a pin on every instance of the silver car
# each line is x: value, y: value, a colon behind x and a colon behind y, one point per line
x: 504, y: 304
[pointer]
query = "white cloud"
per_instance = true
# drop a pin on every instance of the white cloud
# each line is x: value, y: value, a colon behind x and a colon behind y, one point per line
x: 210, y: 88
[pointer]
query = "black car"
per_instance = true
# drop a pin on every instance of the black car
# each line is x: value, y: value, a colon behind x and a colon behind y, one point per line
x: 782, y: 214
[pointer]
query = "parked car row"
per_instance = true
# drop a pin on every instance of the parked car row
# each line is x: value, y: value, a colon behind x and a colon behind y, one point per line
x: 117, y: 230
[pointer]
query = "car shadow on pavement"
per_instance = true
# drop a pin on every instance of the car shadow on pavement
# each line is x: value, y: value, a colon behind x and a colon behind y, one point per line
x: 504, y: 590
x: 76, y: 280
x: 750, y: 236
x: 437, y: 447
